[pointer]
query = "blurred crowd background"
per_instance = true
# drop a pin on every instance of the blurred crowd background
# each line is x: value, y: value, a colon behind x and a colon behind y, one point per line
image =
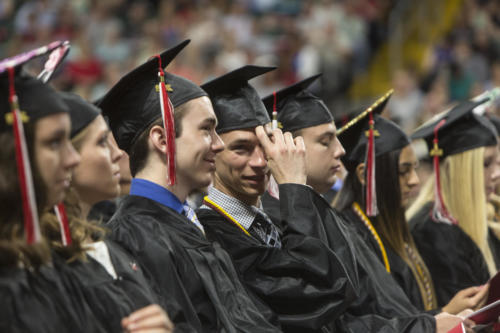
x: 431, y: 52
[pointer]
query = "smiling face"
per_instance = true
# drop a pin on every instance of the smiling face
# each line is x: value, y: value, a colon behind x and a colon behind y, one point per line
x: 54, y: 155
x: 197, y: 145
x: 407, y: 170
x: 242, y: 170
x: 323, y: 153
x: 97, y: 177
x: 491, y: 169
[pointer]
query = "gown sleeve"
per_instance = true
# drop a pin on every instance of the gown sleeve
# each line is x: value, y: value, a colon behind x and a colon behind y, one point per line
x: 381, y: 305
x: 177, y: 305
x: 304, y: 282
x: 453, y: 259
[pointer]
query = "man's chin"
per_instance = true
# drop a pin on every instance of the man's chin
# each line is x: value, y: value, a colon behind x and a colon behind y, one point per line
x: 202, y: 183
x: 252, y: 190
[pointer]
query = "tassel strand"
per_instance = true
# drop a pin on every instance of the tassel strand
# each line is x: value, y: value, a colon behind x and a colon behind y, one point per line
x: 371, y: 192
x: 167, y: 114
x: 30, y: 212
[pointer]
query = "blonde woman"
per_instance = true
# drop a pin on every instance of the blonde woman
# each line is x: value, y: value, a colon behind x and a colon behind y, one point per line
x: 494, y: 203
x: 109, y: 280
x: 448, y: 219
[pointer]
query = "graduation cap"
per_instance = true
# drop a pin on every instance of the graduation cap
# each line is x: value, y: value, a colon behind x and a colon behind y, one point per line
x: 367, y: 136
x: 82, y: 113
x: 25, y: 99
x: 488, y: 97
x: 56, y: 57
x: 452, y: 132
x: 295, y: 108
x: 32, y: 97
x: 236, y: 103
x: 456, y: 131
x: 343, y: 119
x: 145, y: 94
x: 495, y: 120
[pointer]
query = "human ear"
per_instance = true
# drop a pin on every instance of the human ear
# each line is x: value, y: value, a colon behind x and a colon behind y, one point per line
x: 360, y: 172
x: 157, y: 139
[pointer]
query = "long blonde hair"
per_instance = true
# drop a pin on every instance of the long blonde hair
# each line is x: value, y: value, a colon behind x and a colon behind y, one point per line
x: 462, y: 186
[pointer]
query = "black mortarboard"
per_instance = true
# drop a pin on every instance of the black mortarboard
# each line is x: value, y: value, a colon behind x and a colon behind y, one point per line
x: 353, y: 136
x: 343, y: 119
x: 452, y: 132
x: 388, y: 137
x: 56, y: 57
x: 495, y: 120
x: 297, y: 108
x: 365, y: 137
x: 82, y: 113
x: 236, y: 103
x: 36, y: 99
x: 24, y: 98
x: 459, y: 130
x: 133, y: 103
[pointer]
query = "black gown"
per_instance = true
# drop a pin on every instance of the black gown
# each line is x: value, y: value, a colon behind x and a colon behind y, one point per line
x: 38, y: 301
x: 107, y: 299
x: 453, y: 259
x: 131, y: 278
x: 102, y: 211
x: 304, y: 282
x: 494, y: 243
x: 382, y: 306
x: 194, y: 279
x: 400, y: 270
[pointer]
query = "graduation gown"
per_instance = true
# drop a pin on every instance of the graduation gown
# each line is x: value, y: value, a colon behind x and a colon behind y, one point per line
x: 453, y: 259
x: 107, y: 300
x: 304, y: 282
x: 131, y: 278
x: 382, y: 306
x: 194, y: 279
x: 102, y: 211
x: 400, y: 270
x: 494, y: 243
x: 38, y: 301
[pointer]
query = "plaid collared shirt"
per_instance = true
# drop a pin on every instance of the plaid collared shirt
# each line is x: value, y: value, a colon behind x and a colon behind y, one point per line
x: 243, y: 213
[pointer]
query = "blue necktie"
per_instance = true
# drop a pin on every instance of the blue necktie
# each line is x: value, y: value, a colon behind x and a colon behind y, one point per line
x: 191, y: 215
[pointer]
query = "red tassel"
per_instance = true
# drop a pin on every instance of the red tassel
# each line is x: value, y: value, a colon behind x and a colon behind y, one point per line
x: 167, y: 114
x: 63, y: 224
x: 30, y: 213
x: 439, y: 212
x: 371, y: 192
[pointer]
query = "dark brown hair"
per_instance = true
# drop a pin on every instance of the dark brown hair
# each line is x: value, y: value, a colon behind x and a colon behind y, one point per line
x: 390, y: 223
x: 139, y: 151
x: 83, y: 231
x: 13, y: 247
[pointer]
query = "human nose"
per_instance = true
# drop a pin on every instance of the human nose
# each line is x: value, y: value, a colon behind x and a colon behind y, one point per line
x: 115, y: 152
x: 217, y: 143
x: 414, y: 180
x: 258, y: 159
x: 339, y: 150
x: 71, y: 157
x: 495, y: 175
